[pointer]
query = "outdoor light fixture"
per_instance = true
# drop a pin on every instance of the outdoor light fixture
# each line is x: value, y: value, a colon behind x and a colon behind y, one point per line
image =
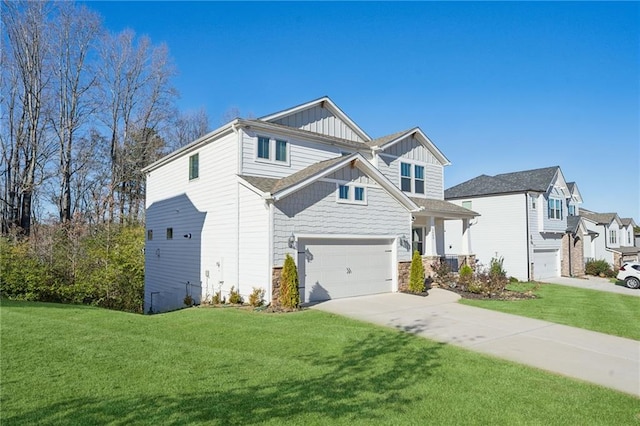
x: 187, y: 236
x: 292, y: 241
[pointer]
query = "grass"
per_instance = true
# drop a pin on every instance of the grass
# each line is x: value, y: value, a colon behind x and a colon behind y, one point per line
x: 65, y: 364
x: 609, y: 313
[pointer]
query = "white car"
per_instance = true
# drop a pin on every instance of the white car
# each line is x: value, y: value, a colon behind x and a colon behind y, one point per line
x: 630, y: 274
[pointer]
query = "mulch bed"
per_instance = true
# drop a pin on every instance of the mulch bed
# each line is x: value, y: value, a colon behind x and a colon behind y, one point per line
x: 505, y: 295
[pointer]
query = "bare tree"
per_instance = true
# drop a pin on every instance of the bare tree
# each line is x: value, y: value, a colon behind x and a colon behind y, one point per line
x: 186, y: 128
x: 136, y: 88
x: 74, y: 34
x: 26, y: 28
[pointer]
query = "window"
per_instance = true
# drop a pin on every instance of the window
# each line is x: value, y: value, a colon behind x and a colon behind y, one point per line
x: 417, y: 240
x: 343, y: 192
x: 150, y: 234
x: 169, y: 233
x: 350, y: 193
x: 419, y: 179
x: 193, y: 167
x: 412, y: 178
x: 629, y: 237
x: 281, y: 150
x: 555, y: 209
x: 572, y: 210
x: 405, y: 177
x: 613, y: 236
x: 274, y: 150
x: 466, y: 205
x: 534, y: 199
x: 263, y: 147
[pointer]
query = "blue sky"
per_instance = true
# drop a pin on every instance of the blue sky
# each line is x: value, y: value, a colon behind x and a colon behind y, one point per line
x: 497, y: 86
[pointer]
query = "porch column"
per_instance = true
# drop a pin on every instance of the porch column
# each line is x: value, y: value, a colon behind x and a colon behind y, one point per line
x: 466, y: 237
x: 430, y: 243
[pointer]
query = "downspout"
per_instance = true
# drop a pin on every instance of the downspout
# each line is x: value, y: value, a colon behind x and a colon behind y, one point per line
x: 239, y: 169
x: 271, y: 249
x: 526, y: 210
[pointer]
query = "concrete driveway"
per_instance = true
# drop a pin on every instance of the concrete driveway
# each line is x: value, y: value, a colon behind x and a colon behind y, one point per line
x: 594, y: 283
x: 598, y: 358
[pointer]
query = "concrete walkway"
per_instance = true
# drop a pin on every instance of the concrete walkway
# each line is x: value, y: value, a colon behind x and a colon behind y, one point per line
x: 598, y: 358
x: 594, y: 283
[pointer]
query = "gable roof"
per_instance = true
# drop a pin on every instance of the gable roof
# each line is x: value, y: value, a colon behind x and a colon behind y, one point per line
x: 382, y: 143
x: 536, y: 180
x: 444, y: 208
x: 323, y: 102
x: 277, y: 189
x: 627, y: 221
x: 601, y: 218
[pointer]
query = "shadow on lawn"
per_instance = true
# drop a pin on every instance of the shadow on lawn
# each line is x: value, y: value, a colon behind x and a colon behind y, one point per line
x: 369, y: 379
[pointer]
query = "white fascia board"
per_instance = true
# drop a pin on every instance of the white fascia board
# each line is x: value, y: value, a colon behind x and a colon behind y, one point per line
x: 424, y: 139
x: 198, y: 143
x: 297, y: 133
x: 330, y: 106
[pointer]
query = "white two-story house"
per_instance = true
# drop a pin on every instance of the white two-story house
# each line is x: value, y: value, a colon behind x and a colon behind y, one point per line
x: 529, y: 218
x: 225, y: 210
x: 614, y: 243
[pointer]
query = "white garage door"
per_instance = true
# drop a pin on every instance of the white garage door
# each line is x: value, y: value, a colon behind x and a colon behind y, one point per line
x: 334, y: 268
x: 545, y: 264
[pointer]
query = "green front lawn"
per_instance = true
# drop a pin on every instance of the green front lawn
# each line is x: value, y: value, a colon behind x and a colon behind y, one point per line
x: 81, y: 365
x: 608, y: 313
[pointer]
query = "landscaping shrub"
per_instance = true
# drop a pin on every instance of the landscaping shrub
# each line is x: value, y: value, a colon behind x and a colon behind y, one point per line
x: 218, y: 299
x: 234, y: 297
x: 416, y: 276
x: 598, y: 268
x: 289, y: 293
x: 256, y: 298
x: 465, y: 275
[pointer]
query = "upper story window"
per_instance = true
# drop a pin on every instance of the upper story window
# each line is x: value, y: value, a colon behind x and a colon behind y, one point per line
x: 555, y: 209
x: 572, y: 210
x: 466, y: 205
x: 274, y: 150
x: 412, y: 178
x: 613, y: 236
x: 194, y: 171
x: 350, y: 193
x: 628, y: 237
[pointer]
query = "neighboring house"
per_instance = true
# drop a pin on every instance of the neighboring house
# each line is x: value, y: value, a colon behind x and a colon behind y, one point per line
x: 529, y: 218
x: 225, y: 210
x: 614, y: 243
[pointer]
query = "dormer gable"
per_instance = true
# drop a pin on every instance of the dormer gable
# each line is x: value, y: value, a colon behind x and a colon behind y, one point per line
x: 321, y: 116
x: 401, y: 142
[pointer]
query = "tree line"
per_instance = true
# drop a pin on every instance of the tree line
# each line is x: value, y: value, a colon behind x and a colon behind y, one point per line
x: 83, y: 110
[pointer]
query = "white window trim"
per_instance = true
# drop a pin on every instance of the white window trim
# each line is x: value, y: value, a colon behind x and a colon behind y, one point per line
x: 556, y: 211
x: 272, y: 151
x: 413, y: 164
x: 352, y: 193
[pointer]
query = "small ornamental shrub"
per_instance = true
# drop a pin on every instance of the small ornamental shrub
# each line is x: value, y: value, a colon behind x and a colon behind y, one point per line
x: 497, y: 276
x: 289, y: 293
x: 218, y: 299
x: 188, y: 300
x: 416, y: 277
x: 234, y: 297
x: 598, y: 267
x: 465, y: 275
x: 256, y: 298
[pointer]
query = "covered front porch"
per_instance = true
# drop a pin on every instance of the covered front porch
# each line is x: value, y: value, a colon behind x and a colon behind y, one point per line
x: 428, y: 235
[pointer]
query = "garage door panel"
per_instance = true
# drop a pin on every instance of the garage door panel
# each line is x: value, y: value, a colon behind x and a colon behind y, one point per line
x: 546, y: 264
x: 345, y: 268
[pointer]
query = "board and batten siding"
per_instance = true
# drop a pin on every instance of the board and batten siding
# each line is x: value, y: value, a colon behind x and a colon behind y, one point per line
x: 215, y: 192
x: 410, y: 149
x: 500, y: 230
x: 254, y: 244
x: 302, y: 154
x: 320, y: 120
x: 314, y: 210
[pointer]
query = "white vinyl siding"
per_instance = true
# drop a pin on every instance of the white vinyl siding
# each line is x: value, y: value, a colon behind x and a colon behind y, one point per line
x: 300, y: 154
x: 253, y: 243
x: 500, y: 230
